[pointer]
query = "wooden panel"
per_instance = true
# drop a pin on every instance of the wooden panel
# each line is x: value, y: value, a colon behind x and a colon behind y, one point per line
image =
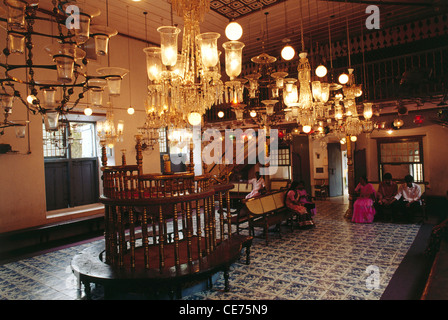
x: 254, y: 206
x: 56, y: 185
x: 279, y: 199
x: 84, y: 182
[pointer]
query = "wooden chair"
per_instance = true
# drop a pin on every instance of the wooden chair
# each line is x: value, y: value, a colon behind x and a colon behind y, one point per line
x: 320, y: 189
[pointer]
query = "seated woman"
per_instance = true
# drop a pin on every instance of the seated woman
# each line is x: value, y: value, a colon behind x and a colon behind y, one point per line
x: 363, y: 210
x: 292, y: 202
x: 305, y: 199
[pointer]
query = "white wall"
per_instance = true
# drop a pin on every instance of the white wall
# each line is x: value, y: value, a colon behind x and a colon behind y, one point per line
x: 22, y: 183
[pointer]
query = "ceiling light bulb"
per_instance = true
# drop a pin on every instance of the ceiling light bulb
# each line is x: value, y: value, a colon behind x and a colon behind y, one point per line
x: 131, y: 110
x: 31, y: 98
x: 88, y: 111
x: 321, y: 71
x: 234, y: 31
x: 288, y: 52
x: 343, y: 78
x: 195, y: 118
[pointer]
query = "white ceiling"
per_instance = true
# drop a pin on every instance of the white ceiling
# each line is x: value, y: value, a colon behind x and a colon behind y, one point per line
x: 285, y: 19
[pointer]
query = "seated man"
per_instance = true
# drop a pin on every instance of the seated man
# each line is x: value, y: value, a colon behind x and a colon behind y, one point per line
x: 387, y: 190
x: 407, y: 201
x: 258, y: 186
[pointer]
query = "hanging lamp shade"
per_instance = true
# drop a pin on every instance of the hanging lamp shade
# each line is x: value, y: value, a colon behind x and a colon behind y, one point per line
x: 169, y: 44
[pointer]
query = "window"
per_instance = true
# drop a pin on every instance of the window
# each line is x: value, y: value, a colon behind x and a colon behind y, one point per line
x: 400, y: 157
x: 163, y: 147
x: 82, y: 140
x: 72, y: 140
x: 280, y: 157
x: 54, y: 143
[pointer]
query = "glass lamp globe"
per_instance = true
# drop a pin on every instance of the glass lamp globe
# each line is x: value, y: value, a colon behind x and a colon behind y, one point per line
x: 343, y: 78
x: 306, y: 128
x: 88, y: 111
x: 131, y: 110
x: 353, y: 138
x: 220, y: 114
x: 234, y: 31
x: 194, y: 118
x: 321, y: 71
x: 288, y: 52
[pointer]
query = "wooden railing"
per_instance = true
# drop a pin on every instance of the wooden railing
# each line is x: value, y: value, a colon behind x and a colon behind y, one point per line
x: 172, y: 230
x: 154, y: 221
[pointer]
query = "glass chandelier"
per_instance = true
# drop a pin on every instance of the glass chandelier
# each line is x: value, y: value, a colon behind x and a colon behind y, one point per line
x: 183, y: 86
x: 57, y: 96
x: 107, y: 132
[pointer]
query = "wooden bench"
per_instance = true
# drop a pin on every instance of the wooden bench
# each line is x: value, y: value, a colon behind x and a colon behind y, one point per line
x: 50, y: 234
x: 422, y: 214
x: 266, y: 211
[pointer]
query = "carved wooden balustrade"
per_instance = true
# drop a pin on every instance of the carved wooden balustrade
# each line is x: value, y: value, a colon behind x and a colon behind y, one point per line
x: 157, y: 222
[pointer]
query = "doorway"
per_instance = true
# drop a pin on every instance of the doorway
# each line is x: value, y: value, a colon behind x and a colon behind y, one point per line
x: 335, y: 171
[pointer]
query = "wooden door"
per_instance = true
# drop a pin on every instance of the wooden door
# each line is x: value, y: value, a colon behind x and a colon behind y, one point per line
x: 84, y: 182
x: 335, y: 174
x: 301, y: 166
x: 57, y: 185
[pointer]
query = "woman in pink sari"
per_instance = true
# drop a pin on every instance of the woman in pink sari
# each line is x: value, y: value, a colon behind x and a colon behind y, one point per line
x: 363, y: 210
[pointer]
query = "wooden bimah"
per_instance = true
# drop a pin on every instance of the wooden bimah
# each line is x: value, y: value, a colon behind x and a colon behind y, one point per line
x: 162, y: 233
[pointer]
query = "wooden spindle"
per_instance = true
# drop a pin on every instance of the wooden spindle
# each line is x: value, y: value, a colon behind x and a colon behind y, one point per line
x: 176, y: 237
x: 132, y: 236
x: 121, y: 237
x: 199, y: 228
x: 145, y: 239
x: 161, y: 239
x: 189, y: 235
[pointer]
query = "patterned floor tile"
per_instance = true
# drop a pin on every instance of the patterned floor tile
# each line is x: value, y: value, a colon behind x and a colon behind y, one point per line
x: 328, y: 262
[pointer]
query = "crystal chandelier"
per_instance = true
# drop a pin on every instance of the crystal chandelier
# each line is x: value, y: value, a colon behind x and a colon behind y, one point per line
x: 183, y: 86
x: 57, y: 96
x: 107, y: 132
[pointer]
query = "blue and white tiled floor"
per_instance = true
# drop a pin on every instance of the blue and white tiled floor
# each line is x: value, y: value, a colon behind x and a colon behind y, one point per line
x: 325, y: 263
